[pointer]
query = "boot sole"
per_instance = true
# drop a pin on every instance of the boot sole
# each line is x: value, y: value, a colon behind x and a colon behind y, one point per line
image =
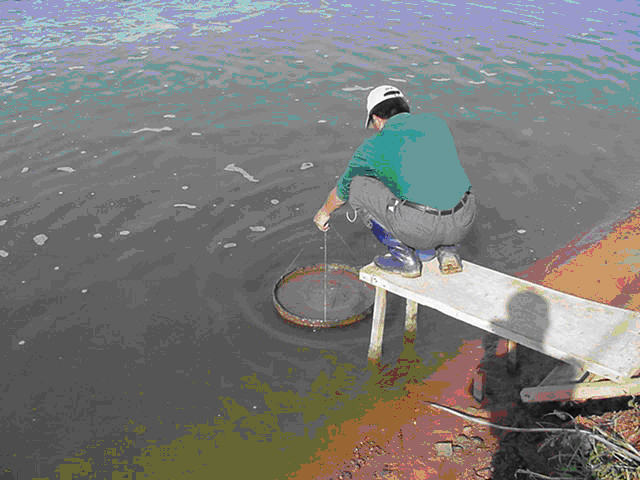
x: 411, y: 275
x: 402, y: 274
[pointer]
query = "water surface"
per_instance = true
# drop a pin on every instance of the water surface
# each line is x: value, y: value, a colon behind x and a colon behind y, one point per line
x: 150, y: 301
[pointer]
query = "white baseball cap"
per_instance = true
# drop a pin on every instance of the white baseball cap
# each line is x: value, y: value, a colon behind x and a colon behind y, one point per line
x: 379, y: 95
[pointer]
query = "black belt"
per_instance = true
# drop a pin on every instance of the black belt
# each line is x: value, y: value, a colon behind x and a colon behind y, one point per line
x: 435, y: 211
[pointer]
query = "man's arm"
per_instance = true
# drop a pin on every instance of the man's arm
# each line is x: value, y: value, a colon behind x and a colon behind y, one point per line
x: 333, y: 203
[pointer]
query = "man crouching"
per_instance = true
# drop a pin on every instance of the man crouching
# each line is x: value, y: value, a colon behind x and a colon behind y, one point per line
x: 409, y: 186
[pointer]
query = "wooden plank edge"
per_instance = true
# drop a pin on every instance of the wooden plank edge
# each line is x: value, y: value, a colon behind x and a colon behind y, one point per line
x: 581, y: 391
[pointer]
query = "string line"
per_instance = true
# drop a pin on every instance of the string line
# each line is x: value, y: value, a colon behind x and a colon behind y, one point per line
x: 288, y: 269
x: 325, y: 276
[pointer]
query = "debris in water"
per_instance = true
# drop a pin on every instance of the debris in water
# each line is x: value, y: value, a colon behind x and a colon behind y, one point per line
x: 3, y: 223
x: 157, y: 130
x: 232, y: 168
x: 306, y: 166
x: 97, y: 235
x: 275, y: 202
x: 40, y: 239
x: 4, y: 254
x: 358, y: 87
x: 185, y: 187
x: 24, y: 170
x: 21, y: 342
x: 66, y: 169
x: 186, y: 205
x: 258, y: 229
x: 125, y: 232
x: 230, y: 245
x: 521, y: 231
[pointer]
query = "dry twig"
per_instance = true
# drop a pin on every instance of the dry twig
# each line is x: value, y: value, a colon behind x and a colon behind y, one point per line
x: 624, y: 451
x: 544, y: 477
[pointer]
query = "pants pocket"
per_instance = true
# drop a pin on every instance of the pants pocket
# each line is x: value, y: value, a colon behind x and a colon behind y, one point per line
x: 474, y: 213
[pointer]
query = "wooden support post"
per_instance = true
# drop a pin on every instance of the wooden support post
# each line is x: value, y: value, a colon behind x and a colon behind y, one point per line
x: 412, y: 316
x: 512, y: 357
x: 478, y: 383
x: 377, y: 326
x: 411, y: 321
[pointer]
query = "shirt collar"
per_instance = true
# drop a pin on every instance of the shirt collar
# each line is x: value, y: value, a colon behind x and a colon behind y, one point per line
x: 397, y: 119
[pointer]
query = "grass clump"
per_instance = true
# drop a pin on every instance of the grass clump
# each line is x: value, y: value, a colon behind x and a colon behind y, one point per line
x: 600, y: 448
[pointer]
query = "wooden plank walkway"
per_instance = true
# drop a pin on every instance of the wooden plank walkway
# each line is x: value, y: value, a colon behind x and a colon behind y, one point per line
x: 591, y: 336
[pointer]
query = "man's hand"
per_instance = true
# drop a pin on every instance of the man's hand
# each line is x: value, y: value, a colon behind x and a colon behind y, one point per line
x: 322, y: 217
x: 322, y: 220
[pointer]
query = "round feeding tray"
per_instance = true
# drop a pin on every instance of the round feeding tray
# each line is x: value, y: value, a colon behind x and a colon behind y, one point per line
x: 299, y: 296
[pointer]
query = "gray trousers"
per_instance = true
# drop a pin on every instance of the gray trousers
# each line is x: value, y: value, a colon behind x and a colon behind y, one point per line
x: 420, y: 230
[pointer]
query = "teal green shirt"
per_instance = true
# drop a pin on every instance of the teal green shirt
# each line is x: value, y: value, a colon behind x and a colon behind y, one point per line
x: 415, y: 157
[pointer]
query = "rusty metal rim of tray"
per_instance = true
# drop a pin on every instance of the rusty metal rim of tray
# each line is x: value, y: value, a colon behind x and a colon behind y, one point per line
x: 317, y: 323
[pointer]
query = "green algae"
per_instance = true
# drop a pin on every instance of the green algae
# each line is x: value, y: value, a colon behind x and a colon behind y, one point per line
x: 241, y: 443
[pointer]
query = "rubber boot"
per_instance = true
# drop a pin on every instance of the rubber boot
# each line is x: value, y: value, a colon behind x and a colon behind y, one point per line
x: 449, y: 259
x: 426, y: 255
x: 401, y: 259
